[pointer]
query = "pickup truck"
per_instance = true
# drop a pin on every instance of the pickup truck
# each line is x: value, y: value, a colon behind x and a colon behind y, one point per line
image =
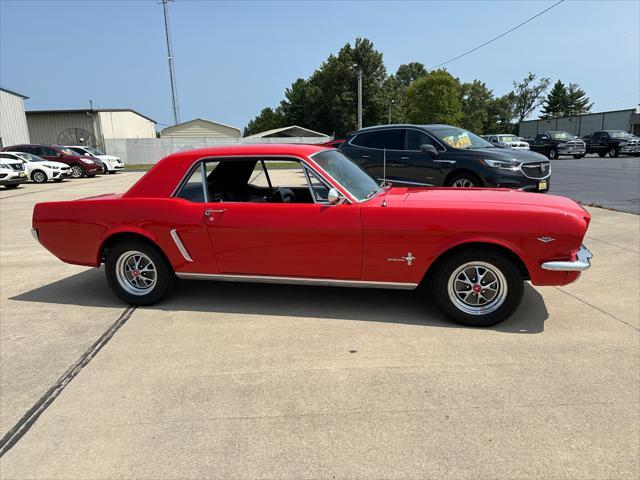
x: 555, y: 143
x: 613, y: 143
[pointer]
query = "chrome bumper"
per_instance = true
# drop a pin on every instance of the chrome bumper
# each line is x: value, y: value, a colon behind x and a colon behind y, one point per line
x: 580, y: 264
x: 34, y: 234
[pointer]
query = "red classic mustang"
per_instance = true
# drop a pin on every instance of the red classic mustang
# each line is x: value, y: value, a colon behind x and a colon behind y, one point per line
x: 308, y: 215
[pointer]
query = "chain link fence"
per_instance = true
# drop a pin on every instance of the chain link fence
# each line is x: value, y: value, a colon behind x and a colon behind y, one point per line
x: 140, y: 151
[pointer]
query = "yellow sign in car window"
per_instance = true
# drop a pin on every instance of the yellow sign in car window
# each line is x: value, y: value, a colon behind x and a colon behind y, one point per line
x: 458, y: 141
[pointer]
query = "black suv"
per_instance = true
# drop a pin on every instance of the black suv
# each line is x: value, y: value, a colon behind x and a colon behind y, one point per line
x: 443, y: 155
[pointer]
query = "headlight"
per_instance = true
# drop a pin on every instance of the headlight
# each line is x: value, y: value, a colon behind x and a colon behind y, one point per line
x: 88, y: 162
x: 501, y: 165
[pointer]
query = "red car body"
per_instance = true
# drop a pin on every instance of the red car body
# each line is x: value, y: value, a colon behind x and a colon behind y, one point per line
x: 359, y: 243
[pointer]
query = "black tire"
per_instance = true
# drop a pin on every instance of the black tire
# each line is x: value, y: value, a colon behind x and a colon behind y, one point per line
x: 111, y: 172
x: 165, y: 278
x: 38, y: 176
x: 578, y: 157
x: 11, y: 187
x: 602, y: 154
x: 553, y: 154
x: 464, y: 180
x: 506, y: 301
x: 613, y: 152
x: 57, y: 180
x: 77, y: 171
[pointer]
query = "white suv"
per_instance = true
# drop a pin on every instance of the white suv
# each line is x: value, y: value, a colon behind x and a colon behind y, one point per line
x: 111, y: 163
x: 38, y: 169
x: 12, y: 173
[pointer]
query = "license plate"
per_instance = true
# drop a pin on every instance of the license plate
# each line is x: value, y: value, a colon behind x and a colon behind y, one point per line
x: 542, y: 185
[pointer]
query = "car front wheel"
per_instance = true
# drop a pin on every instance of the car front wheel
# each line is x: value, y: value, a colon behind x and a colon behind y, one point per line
x: 77, y: 171
x: 602, y: 154
x: 613, y: 152
x: 553, y: 154
x: 39, y: 176
x: 138, y: 273
x: 578, y: 157
x: 478, y: 288
x: 464, y: 180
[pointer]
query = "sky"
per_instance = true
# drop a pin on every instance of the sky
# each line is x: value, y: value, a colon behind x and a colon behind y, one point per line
x: 234, y: 58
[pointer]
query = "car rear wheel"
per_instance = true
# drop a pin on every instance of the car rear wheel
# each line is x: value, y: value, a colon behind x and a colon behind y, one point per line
x: 77, y: 171
x: 613, y: 152
x: 39, y: 176
x: 10, y: 187
x: 464, y: 180
x: 478, y: 288
x: 138, y: 273
x: 553, y: 154
x: 602, y: 154
x: 578, y: 157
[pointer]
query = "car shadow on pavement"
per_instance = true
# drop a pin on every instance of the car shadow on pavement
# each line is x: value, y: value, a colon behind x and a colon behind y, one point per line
x: 360, y: 304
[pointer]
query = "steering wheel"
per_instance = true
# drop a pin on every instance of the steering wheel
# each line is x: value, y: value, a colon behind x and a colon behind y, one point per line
x: 282, y: 195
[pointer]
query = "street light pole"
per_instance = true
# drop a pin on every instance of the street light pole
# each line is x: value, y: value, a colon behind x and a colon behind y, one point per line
x: 390, y: 104
x: 172, y: 74
x: 359, y: 98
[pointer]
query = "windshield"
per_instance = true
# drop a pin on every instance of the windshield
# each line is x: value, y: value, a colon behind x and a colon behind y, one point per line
x: 561, y: 135
x: 619, y: 134
x: 459, y: 138
x: 507, y: 138
x: 68, y: 151
x: 355, y: 180
x: 27, y: 157
x: 94, y: 151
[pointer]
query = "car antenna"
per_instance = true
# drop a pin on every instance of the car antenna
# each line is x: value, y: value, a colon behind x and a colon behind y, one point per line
x: 384, y: 175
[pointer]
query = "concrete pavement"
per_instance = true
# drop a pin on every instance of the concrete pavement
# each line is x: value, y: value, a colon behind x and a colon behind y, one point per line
x: 265, y: 381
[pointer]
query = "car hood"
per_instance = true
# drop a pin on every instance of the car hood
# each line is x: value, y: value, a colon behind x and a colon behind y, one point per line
x: 495, y: 197
x: 108, y: 157
x: 54, y: 164
x: 509, y: 155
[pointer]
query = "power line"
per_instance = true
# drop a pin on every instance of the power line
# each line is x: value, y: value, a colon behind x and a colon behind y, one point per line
x: 499, y: 36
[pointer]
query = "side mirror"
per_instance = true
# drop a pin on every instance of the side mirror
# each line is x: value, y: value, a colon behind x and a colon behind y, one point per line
x: 430, y: 149
x: 333, y: 196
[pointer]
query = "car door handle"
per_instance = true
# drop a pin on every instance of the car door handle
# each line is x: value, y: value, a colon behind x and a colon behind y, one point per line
x: 404, y: 158
x: 209, y: 212
x: 366, y: 156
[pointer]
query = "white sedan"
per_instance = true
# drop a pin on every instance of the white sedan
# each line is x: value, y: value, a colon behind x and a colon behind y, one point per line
x: 38, y: 169
x: 111, y: 163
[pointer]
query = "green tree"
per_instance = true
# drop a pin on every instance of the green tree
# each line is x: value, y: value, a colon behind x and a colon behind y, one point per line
x: 557, y: 102
x: 434, y: 98
x: 500, y: 115
x: 266, y: 120
x: 409, y: 72
x: 528, y: 95
x: 577, y: 100
x: 476, y: 101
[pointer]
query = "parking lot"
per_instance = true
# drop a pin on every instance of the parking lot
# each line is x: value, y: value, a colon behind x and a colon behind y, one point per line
x: 266, y: 381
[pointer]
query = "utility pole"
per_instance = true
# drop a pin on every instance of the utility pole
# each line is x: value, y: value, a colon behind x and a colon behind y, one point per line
x: 359, y: 98
x: 391, y: 102
x: 172, y: 74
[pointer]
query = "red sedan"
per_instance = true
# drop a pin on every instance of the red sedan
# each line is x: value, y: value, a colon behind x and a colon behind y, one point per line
x: 305, y: 214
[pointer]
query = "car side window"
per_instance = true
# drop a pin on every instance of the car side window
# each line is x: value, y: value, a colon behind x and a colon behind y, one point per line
x: 596, y: 136
x: 392, y: 139
x: 416, y: 138
x: 48, y: 152
x: 363, y: 139
x: 319, y: 189
x: 193, y: 189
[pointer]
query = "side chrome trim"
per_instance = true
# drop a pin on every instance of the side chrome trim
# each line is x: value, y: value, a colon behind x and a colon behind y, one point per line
x: 582, y: 262
x: 34, y: 234
x: 180, y: 245
x: 409, y: 183
x: 327, y: 282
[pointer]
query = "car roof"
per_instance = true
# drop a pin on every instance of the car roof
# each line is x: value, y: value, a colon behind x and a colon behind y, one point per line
x: 163, y: 178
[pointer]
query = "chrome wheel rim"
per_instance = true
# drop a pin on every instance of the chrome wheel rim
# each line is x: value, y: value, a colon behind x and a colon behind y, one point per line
x: 136, y: 273
x: 463, y: 183
x: 552, y: 154
x: 39, y: 177
x: 612, y: 153
x: 76, y: 171
x: 477, y: 288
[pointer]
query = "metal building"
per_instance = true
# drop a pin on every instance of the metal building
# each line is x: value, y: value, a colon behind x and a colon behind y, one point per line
x: 88, y: 126
x: 291, y: 131
x: 201, y: 128
x: 579, y: 125
x: 13, y: 122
